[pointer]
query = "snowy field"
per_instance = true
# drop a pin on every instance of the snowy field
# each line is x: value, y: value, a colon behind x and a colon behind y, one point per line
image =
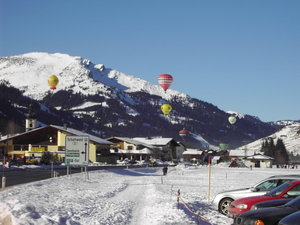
x: 128, y: 196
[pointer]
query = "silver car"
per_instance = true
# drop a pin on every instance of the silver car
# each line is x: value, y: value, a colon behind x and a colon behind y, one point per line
x: 222, y: 200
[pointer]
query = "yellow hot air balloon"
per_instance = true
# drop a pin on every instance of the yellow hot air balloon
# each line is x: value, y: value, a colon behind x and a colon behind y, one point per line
x: 166, y: 108
x: 53, y: 81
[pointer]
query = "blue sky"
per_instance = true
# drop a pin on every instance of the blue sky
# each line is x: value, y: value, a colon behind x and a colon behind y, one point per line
x: 242, y: 56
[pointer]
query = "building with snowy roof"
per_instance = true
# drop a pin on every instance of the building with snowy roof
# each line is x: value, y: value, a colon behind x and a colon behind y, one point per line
x: 36, y: 141
x: 259, y: 161
x: 144, y: 148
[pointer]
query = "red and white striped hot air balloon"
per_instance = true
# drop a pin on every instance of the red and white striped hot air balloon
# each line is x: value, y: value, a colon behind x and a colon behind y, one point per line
x: 165, y: 81
x: 183, y: 133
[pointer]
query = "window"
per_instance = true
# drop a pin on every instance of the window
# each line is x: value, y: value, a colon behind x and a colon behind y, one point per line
x: 267, y: 185
x: 294, y: 192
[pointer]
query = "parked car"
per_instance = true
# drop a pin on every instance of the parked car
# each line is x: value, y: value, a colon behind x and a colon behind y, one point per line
x: 268, y: 216
x: 222, y: 201
x: 132, y: 162
x: 271, y: 203
x: 292, y: 219
x: 290, y: 189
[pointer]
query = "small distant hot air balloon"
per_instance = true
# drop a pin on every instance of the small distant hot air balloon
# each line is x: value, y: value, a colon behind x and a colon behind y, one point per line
x: 53, y: 81
x: 165, y: 81
x: 223, y: 145
x: 183, y: 133
x: 232, y: 119
x: 166, y: 108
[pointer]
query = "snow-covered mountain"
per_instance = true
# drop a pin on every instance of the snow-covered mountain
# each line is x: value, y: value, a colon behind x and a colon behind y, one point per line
x: 113, y: 103
x: 30, y: 72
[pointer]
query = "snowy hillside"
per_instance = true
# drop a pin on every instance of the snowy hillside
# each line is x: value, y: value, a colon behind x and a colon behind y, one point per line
x: 290, y: 135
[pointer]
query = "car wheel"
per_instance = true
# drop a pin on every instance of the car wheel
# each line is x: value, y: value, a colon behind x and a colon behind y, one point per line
x: 224, y: 206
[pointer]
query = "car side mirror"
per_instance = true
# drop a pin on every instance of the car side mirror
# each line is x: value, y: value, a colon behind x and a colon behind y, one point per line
x: 254, y: 189
x: 285, y: 196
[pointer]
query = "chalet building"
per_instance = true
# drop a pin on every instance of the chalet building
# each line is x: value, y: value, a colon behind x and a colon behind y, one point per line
x: 36, y: 141
x: 164, y: 148
x: 240, y: 153
x: 216, y: 157
x: 259, y: 161
x: 251, y: 158
x: 131, y: 149
x: 193, y: 155
x: 144, y: 148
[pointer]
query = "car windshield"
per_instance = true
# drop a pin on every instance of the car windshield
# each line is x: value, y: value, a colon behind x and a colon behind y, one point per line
x: 295, y: 203
x: 277, y: 191
x: 267, y: 185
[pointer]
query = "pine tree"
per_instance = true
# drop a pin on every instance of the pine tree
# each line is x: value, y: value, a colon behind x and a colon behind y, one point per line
x: 281, y: 155
x: 268, y: 147
x: 272, y: 147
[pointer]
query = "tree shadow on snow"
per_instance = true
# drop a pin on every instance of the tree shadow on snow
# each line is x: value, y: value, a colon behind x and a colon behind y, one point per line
x: 135, y: 172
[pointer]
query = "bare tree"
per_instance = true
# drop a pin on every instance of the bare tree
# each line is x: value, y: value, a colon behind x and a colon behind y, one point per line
x: 12, y: 127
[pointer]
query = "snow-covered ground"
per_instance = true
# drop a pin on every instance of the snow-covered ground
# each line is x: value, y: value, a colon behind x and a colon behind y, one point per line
x: 128, y: 196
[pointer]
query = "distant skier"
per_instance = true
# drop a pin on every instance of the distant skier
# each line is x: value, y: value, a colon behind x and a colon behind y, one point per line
x: 165, y: 170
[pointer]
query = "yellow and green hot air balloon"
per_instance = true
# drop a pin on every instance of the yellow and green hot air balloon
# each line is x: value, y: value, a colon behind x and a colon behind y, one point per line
x: 166, y: 108
x: 223, y: 145
x: 53, y: 81
x: 232, y: 119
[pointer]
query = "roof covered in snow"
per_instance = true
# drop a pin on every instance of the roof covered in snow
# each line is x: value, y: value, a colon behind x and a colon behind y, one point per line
x: 241, y: 153
x: 71, y: 131
x: 261, y: 157
x: 80, y: 133
x: 132, y: 141
x: 160, y: 141
x: 191, y: 151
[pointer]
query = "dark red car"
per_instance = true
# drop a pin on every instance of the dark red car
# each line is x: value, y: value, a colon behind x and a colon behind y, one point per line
x: 290, y: 189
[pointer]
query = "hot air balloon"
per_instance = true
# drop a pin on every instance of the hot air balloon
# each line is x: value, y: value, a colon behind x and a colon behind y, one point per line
x: 166, y: 108
x: 232, y: 119
x: 165, y: 81
x: 53, y: 81
x: 183, y: 133
x: 223, y: 145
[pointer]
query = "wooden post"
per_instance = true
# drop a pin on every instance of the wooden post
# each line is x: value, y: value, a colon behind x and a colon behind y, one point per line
x: 3, y: 183
x: 209, y: 172
x: 178, y: 198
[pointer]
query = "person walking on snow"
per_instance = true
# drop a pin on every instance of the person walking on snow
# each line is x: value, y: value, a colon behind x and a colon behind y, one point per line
x: 165, y: 170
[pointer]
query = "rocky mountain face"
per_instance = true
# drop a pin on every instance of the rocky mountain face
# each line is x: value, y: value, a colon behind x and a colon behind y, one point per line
x: 108, y: 103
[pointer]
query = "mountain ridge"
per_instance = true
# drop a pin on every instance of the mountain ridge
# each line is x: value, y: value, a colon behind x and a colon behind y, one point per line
x: 113, y: 103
